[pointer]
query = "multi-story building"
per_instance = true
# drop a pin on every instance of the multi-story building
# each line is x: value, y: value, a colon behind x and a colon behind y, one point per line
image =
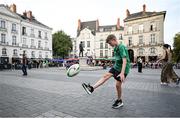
x: 144, y: 34
x: 20, y: 33
x: 94, y: 37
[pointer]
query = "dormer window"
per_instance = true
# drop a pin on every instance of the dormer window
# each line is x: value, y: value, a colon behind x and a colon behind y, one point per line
x: 23, y: 30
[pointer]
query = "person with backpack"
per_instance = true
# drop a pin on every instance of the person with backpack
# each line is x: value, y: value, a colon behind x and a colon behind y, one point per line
x: 119, y: 71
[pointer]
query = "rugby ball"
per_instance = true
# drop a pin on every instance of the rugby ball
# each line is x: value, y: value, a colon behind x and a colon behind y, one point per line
x: 73, y: 70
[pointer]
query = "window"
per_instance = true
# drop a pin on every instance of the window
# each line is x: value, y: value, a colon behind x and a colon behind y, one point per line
x: 83, y: 44
x: 23, y: 30
x: 140, y: 39
x: 130, y: 30
x: 106, y: 53
x: 141, y: 28
x: 4, y: 51
x: 32, y: 42
x: 120, y: 37
x: 13, y: 27
x: 39, y: 34
x: 33, y: 54
x: 3, y: 38
x: 88, y: 44
x: 130, y: 41
x: 13, y: 40
x: 46, y: 54
x: 24, y: 41
x: 3, y: 24
x: 101, y: 29
x: 101, y: 53
x: 45, y: 35
x: 88, y: 35
x: 32, y: 31
x: 113, y: 28
x: 101, y: 45
x: 39, y: 44
x: 106, y: 45
x: 40, y: 54
x: 152, y: 50
x: 46, y: 44
x: 153, y: 39
x: 15, y: 52
x: 141, y: 51
x: 152, y: 26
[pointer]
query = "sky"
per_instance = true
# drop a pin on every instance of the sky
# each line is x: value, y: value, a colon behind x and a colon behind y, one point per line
x: 64, y: 14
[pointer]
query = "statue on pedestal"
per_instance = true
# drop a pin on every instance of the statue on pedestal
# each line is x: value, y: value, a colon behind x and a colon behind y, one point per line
x: 81, y: 49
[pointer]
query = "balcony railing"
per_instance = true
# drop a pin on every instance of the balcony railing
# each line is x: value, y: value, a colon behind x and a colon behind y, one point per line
x: 32, y: 35
x: 3, y: 29
x: 4, y: 54
x: 14, y: 31
x: 141, y: 44
x: 154, y: 29
x: 24, y: 34
x: 15, y: 55
x: 4, y: 43
x: 46, y: 48
x: 24, y: 46
x: 39, y: 36
x: 32, y: 56
x: 15, y: 44
x: 40, y: 48
x: 32, y: 46
x: 153, y: 43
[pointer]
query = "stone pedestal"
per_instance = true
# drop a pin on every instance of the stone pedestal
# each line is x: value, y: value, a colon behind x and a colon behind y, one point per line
x: 85, y: 67
x: 83, y: 61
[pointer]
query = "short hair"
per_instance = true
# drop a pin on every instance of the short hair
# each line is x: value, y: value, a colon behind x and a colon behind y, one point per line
x: 110, y: 37
x: 166, y: 46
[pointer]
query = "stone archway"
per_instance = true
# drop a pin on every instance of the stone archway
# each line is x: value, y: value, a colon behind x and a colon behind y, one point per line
x: 131, y: 55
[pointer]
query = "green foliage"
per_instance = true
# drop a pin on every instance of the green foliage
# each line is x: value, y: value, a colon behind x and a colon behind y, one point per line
x: 176, y: 46
x: 62, y: 44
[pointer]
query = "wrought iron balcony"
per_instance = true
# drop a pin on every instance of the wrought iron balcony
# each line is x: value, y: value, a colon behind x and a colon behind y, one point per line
x: 24, y: 46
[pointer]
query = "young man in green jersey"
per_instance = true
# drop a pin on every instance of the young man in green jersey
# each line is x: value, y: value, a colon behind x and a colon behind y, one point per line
x: 119, y: 71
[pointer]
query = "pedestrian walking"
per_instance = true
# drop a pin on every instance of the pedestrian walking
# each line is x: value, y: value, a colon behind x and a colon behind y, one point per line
x: 24, y: 64
x: 119, y: 71
x: 167, y: 74
x: 139, y: 65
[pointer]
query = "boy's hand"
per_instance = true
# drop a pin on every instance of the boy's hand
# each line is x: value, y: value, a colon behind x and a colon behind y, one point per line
x: 121, y: 75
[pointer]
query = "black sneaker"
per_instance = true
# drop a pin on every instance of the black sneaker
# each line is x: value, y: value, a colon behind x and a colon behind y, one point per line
x: 117, y: 104
x: 178, y: 80
x: 88, y: 88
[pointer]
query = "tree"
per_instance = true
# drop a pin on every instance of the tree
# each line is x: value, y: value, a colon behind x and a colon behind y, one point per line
x: 176, y: 46
x: 62, y: 44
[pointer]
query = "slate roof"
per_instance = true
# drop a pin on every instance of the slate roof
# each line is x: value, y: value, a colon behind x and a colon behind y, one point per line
x: 26, y: 18
x: 109, y: 27
x: 90, y: 25
x: 142, y: 14
x: 33, y: 20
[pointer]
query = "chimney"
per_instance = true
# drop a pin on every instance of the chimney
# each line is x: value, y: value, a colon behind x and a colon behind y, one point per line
x: 144, y: 8
x: 118, y: 23
x: 13, y: 8
x: 97, y: 25
x: 127, y: 13
x: 79, y: 24
x: 29, y: 15
x: 25, y: 14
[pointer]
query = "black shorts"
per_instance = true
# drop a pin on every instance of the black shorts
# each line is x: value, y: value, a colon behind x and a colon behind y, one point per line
x: 116, y: 73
